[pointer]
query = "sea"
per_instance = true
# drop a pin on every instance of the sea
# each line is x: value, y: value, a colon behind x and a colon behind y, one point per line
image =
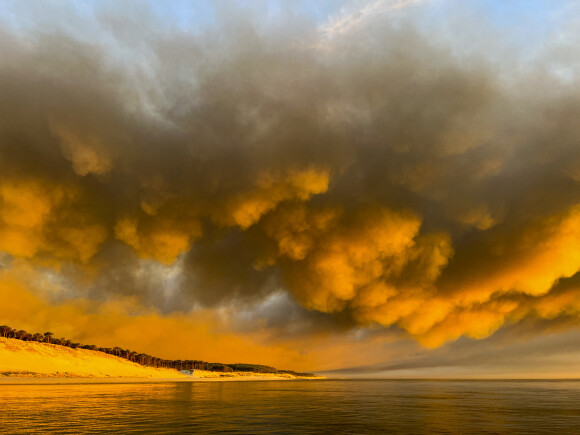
x: 294, y: 407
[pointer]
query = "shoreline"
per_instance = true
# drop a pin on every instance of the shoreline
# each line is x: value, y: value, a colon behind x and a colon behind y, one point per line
x: 29, y: 362
x: 50, y: 380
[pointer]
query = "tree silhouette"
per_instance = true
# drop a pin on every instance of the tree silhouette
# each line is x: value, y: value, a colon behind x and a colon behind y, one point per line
x: 4, y: 330
x: 20, y: 334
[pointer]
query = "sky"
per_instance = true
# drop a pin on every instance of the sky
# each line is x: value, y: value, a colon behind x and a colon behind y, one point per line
x: 363, y: 189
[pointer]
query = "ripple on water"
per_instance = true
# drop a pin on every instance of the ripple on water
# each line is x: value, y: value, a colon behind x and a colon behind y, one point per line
x: 351, y: 406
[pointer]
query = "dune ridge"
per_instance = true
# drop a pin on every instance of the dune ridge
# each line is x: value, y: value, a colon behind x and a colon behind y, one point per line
x: 33, y: 359
x: 38, y: 360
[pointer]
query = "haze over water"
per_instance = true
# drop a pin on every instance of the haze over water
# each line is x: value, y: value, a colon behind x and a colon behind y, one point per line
x: 332, y: 406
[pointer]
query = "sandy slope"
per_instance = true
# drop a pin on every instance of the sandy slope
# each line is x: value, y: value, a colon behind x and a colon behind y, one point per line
x: 18, y: 358
x: 29, y: 359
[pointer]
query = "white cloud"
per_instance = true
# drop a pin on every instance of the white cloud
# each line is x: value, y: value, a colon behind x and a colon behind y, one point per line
x: 346, y: 21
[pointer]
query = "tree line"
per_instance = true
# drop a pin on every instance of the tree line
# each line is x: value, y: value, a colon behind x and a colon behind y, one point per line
x: 142, y: 358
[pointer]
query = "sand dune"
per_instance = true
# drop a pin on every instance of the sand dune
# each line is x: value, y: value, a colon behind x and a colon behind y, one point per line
x: 29, y: 358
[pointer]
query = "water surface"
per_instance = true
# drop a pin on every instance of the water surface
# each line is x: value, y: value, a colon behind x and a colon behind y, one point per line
x: 328, y: 406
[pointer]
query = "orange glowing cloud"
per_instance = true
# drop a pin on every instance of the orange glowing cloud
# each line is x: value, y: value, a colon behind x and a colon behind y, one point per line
x: 37, y: 221
x: 378, y: 181
x: 246, y: 208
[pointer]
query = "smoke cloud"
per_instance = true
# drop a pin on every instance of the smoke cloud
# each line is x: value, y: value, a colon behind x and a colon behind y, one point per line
x: 376, y: 174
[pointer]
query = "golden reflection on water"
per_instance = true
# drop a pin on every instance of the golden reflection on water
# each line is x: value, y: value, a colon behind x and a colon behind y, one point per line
x: 293, y: 407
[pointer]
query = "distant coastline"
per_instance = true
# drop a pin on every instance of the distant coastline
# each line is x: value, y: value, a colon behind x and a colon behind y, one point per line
x: 38, y: 356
